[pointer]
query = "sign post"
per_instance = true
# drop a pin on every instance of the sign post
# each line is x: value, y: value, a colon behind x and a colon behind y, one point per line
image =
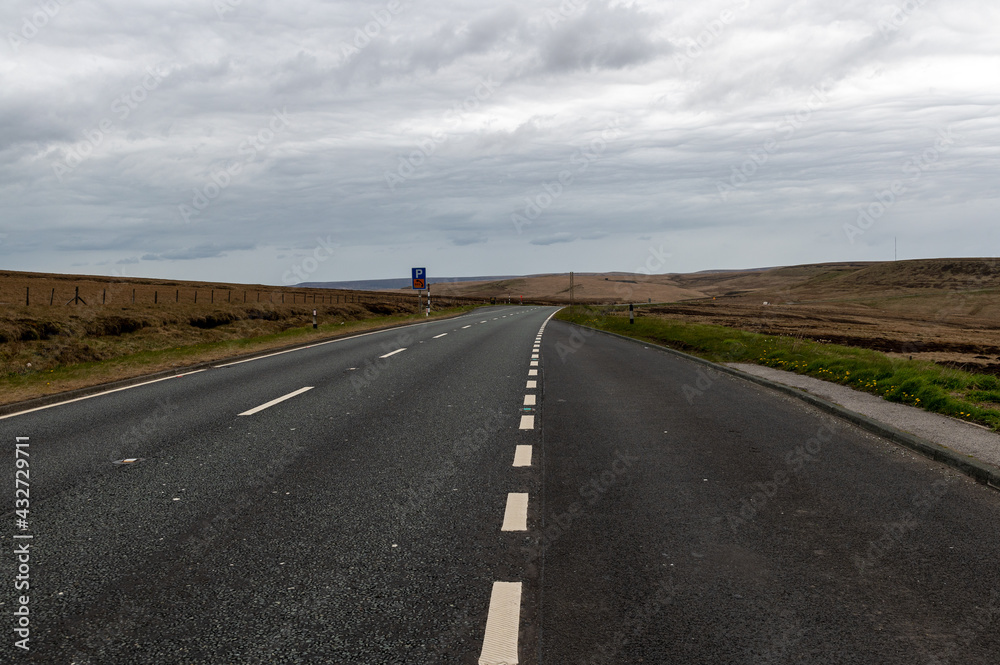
x: 419, y: 279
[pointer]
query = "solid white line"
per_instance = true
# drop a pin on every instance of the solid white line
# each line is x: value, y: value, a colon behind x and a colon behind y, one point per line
x: 329, y: 341
x: 106, y: 392
x: 527, y: 422
x: 529, y: 400
x: 392, y: 353
x: 275, y: 401
x: 522, y: 456
x: 532, y: 384
x: 532, y: 372
x: 502, y: 622
x: 441, y: 335
x: 515, y: 518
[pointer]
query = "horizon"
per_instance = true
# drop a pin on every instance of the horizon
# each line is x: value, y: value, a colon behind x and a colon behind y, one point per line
x: 488, y: 278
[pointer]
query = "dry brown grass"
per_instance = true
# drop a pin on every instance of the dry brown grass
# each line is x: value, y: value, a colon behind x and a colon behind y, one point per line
x: 50, y: 348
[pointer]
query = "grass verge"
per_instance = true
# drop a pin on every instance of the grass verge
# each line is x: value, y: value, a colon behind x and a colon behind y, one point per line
x: 17, y: 387
x: 918, y: 383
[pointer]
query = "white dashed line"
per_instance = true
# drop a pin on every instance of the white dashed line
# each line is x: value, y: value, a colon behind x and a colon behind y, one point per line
x: 529, y: 400
x: 522, y: 456
x: 534, y: 363
x: 502, y: 622
x: 532, y: 372
x: 441, y: 335
x: 515, y: 517
x: 532, y: 384
x: 468, y: 326
x: 534, y: 356
x: 392, y: 353
x: 527, y: 422
x: 275, y: 401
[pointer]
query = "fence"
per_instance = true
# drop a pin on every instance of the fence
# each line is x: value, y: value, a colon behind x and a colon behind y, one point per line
x: 118, y: 294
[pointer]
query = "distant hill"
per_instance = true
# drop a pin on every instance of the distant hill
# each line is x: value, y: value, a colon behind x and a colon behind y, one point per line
x: 384, y: 284
x: 810, y: 282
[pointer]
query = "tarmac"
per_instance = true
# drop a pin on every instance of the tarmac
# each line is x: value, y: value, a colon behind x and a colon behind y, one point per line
x: 964, y: 438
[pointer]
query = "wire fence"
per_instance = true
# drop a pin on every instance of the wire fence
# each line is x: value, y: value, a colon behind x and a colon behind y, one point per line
x: 117, y: 294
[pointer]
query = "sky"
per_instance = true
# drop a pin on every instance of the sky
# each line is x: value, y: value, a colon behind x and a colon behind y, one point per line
x: 278, y: 141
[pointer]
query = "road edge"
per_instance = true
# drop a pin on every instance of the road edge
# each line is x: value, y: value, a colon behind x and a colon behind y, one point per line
x: 35, y: 402
x: 980, y: 471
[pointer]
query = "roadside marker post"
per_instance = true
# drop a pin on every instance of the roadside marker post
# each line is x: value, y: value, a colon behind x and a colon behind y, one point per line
x: 315, y: 325
x: 631, y: 314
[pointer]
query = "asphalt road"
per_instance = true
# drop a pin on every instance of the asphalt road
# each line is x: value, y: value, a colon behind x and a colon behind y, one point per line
x: 362, y: 520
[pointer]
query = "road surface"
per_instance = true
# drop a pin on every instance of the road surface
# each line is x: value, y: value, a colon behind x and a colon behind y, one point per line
x: 410, y: 496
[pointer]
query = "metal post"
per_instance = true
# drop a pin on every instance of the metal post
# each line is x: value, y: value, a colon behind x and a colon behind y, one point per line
x: 27, y: 296
x: 52, y: 297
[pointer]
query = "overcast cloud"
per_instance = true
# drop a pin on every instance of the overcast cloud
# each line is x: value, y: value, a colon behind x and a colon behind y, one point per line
x: 234, y: 139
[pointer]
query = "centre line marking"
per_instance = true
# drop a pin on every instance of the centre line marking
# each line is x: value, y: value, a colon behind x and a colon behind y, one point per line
x: 529, y: 400
x: 468, y: 326
x: 532, y: 372
x: 534, y: 356
x: 502, y: 621
x: 275, y: 401
x: 522, y: 456
x: 515, y: 518
x: 527, y: 422
x: 392, y: 353
x: 441, y: 335
x: 534, y: 363
x: 532, y: 384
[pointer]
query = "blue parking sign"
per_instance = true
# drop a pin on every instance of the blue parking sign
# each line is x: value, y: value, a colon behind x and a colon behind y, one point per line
x: 420, y: 278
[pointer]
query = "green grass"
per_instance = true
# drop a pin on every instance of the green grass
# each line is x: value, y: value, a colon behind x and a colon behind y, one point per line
x: 915, y: 382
